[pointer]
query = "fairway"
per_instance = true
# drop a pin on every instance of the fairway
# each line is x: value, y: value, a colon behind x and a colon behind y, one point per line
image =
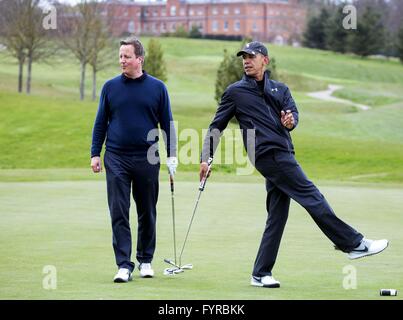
x: 66, y: 224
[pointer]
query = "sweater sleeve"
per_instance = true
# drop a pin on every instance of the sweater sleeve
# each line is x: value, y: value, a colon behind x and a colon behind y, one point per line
x: 100, y: 125
x: 167, y: 123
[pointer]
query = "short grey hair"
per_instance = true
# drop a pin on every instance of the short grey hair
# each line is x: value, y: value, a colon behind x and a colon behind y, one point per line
x: 137, y: 45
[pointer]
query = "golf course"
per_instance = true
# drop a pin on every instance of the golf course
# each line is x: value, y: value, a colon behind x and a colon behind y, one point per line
x: 54, y: 213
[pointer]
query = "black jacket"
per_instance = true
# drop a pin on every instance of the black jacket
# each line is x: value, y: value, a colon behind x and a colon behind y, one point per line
x: 254, y: 110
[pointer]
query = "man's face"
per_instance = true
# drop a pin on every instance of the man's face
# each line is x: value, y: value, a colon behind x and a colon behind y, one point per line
x: 254, y: 65
x: 129, y: 63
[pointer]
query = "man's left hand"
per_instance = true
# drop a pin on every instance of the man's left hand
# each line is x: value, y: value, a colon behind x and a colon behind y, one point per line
x: 287, y: 119
x: 172, y: 164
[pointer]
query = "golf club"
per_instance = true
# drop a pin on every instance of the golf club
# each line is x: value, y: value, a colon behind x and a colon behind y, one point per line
x: 171, y: 180
x: 180, y: 268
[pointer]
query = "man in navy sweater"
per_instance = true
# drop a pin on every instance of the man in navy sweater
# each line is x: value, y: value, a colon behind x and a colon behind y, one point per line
x: 131, y: 107
x: 267, y: 108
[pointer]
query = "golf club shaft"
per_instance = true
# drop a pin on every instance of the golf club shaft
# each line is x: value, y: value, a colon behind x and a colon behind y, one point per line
x: 171, y: 178
x: 190, y: 224
x: 201, y: 189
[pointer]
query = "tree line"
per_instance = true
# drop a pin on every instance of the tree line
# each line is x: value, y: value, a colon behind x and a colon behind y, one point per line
x: 378, y: 28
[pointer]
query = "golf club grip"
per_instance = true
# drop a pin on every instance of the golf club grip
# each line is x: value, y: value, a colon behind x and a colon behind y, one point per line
x: 204, y: 180
x: 171, y: 181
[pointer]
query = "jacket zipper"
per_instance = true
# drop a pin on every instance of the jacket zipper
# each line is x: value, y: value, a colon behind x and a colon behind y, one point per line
x: 271, y: 115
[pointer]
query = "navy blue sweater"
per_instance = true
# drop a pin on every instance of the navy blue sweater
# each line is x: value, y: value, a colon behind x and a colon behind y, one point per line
x: 129, y: 109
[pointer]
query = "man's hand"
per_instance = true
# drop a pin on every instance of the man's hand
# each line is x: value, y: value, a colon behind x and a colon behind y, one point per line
x: 172, y: 164
x: 96, y: 164
x: 287, y: 119
x: 203, y: 170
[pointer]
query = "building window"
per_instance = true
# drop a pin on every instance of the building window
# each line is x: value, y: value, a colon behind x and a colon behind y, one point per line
x: 254, y: 27
x: 155, y: 13
x: 191, y: 12
x: 237, y: 26
x: 215, y: 26
x: 130, y: 27
x: 173, y: 11
x: 182, y: 11
x: 237, y: 11
x: 163, y: 12
x: 225, y: 25
x: 173, y: 27
x: 200, y: 12
x: 215, y: 11
x: 162, y: 27
x: 225, y: 11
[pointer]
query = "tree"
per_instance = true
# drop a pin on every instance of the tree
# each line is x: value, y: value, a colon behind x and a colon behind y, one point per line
x: 180, y: 32
x: 154, y: 62
x: 400, y: 45
x: 35, y: 37
x: 336, y: 35
x: 370, y: 34
x: 24, y: 35
x: 12, y: 30
x: 77, y: 30
x: 99, y: 38
x: 195, y: 32
x: 315, y: 33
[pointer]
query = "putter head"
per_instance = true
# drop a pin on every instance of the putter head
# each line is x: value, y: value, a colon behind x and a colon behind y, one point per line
x: 188, y: 266
x: 172, y: 271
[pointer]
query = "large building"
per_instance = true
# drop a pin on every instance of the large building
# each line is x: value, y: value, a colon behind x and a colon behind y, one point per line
x: 278, y: 21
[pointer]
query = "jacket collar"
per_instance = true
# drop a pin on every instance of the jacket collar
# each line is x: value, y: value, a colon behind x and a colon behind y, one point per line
x: 251, y: 80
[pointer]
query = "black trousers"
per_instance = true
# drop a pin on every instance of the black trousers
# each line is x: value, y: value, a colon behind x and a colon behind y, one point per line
x: 123, y: 175
x: 284, y: 180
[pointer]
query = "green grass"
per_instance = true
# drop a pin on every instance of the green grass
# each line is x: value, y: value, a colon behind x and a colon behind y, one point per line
x: 52, y: 129
x: 53, y: 210
x: 66, y: 225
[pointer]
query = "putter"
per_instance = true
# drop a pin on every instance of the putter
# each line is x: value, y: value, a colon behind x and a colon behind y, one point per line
x: 178, y: 268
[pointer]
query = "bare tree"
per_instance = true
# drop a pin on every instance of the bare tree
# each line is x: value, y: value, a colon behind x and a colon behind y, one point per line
x: 35, y: 37
x: 12, y: 31
x: 24, y: 35
x: 100, y: 41
x: 82, y: 32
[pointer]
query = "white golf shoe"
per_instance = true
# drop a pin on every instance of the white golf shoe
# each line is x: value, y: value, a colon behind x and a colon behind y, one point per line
x: 123, y: 275
x: 145, y: 270
x: 368, y: 247
x: 266, y: 282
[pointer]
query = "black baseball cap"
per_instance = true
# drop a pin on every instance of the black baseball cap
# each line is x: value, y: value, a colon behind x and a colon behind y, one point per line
x: 254, y: 48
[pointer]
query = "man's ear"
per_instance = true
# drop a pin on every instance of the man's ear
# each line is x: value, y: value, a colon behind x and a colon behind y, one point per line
x: 267, y: 60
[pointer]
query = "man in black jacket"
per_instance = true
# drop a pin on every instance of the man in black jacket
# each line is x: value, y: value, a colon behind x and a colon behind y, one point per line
x: 267, y: 108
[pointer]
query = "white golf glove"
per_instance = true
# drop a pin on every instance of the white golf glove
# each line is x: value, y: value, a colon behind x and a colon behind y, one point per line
x: 172, y: 164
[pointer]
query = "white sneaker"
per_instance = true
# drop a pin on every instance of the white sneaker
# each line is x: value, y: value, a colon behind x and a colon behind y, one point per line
x: 123, y: 275
x: 145, y: 270
x: 266, y: 282
x: 368, y: 247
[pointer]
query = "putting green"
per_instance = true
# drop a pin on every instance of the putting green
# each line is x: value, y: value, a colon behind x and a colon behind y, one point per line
x: 66, y: 225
